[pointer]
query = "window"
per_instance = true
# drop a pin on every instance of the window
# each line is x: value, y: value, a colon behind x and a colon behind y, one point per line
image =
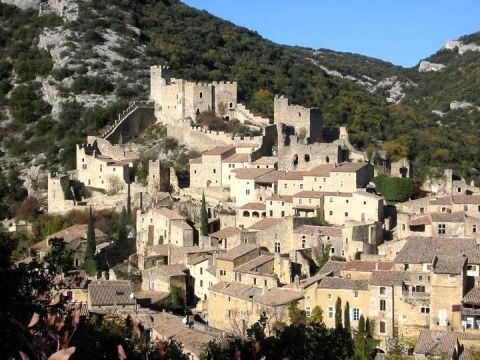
x: 474, y: 228
x: 285, y: 185
x: 331, y: 212
x: 383, y: 327
x: 201, y: 271
x: 332, y: 250
x: 441, y: 229
x: 346, y: 201
x: 346, y: 214
x: 265, y: 282
x: 425, y: 310
x: 301, y: 186
x: 282, y: 213
x: 308, y: 311
x: 247, y: 192
x: 418, y: 288
x: 330, y: 312
x: 214, y: 171
x: 383, y: 305
x: 356, y: 314
x: 201, y: 95
x: 254, y: 281
x: 271, y: 213
x: 303, y: 244
x: 331, y: 199
x: 329, y: 296
x: 201, y: 283
x: 465, y: 207
x: 277, y: 246
x: 420, y: 277
x: 444, y: 209
x: 355, y: 294
x: 422, y: 210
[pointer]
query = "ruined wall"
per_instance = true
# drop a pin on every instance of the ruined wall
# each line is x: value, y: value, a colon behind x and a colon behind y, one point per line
x: 60, y: 196
x: 131, y: 122
x: 299, y: 117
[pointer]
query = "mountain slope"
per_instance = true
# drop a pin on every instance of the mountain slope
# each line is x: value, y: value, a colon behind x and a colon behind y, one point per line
x: 101, y: 61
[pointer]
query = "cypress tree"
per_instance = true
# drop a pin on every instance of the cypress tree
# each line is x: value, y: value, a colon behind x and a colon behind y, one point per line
x: 338, y: 313
x: 361, y: 324
x: 129, y: 201
x: 203, y: 217
x: 90, y: 264
x: 346, y: 316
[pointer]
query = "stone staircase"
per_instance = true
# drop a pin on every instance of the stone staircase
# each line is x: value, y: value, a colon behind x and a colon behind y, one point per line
x: 132, y: 107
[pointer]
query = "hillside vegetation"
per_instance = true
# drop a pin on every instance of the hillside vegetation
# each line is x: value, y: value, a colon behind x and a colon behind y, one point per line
x: 104, y: 63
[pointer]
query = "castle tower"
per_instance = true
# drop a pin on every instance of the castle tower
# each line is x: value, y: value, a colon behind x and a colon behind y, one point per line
x: 158, y: 177
x: 159, y: 77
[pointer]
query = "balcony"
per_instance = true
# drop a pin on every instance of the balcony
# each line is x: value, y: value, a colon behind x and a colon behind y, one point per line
x: 470, y: 312
x: 415, y: 295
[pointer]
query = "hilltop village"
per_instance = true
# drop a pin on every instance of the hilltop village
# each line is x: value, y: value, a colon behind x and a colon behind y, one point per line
x: 282, y: 214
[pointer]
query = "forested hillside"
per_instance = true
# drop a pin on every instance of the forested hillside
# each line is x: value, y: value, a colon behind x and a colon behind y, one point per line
x: 85, y: 71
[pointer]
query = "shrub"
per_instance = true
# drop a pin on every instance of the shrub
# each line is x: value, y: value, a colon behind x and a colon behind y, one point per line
x: 27, y: 105
x: 92, y: 84
x: 394, y: 189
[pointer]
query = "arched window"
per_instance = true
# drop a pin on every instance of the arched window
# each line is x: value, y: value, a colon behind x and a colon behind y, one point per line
x: 327, y: 160
x: 246, y: 214
x: 231, y: 105
x: 306, y: 157
x: 255, y: 214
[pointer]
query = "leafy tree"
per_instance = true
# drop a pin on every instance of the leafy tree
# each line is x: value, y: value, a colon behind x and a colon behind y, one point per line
x: 394, y: 189
x: 203, y: 217
x: 317, y: 315
x: 338, y: 313
x: 364, y: 342
x: 26, y: 103
x: 90, y: 264
x: 60, y: 257
x: 295, y: 314
x: 369, y: 326
x: 346, y: 316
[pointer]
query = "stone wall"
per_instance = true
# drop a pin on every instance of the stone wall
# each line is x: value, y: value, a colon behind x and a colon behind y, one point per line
x: 135, y: 119
x: 298, y: 117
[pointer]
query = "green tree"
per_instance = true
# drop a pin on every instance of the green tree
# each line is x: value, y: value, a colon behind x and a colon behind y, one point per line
x: 295, y: 314
x: 317, y: 315
x: 129, y: 201
x: 203, y: 217
x: 60, y: 257
x: 394, y: 189
x: 361, y: 324
x: 369, y: 326
x: 90, y: 264
x: 338, y: 313
x: 346, y: 317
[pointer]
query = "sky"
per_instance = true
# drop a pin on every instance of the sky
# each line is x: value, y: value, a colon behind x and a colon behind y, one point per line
x: 399, y: 31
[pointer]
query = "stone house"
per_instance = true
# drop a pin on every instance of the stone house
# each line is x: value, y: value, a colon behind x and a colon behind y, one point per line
x: 279, y: 206
x: 200, y: 267
x: 455, y: 345
x: 236, y: 306
x: 162, y: 226
x: 75, y: 238
x: 226, y: 238
x: 110, y: 295
x: 244, y: 187
x: 103, y: 165
x: 210, y: 170
x: 437, y: 224
x: 471, y: 309
x: 163, y: 278
x: 248, y: 214
x: 265, y: 162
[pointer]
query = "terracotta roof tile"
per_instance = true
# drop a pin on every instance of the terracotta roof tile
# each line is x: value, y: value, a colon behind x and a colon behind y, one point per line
x: 320, y: 170
x: 226, y: 233
x: 449, y: 264
x: 238, y: 251
x: 388, y: 277
x: 266, y: 160
x: 320, y: 230
x: 342, y: 283
x: 420, y: 250
x: 265, y: 224
x: 237, y: 158
x: 110, y: 293
x: 254, y: 206
x: 286, y: 198
x: 219, y: 150
x: 250, y: 173
x: 437, y: 343
x: 359, y: 265
x: 252, y: 265
x: 472, y: 297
